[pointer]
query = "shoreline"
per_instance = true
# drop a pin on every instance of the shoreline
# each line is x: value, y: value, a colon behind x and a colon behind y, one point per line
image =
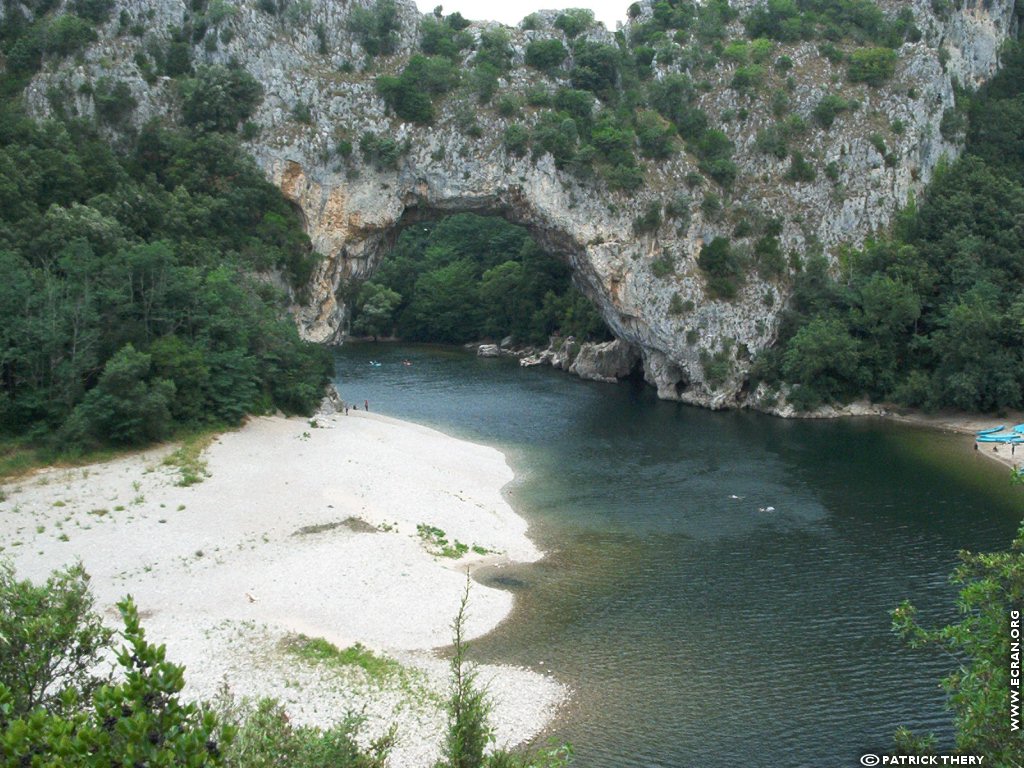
x: 300, y: 530
x: 967, y: 425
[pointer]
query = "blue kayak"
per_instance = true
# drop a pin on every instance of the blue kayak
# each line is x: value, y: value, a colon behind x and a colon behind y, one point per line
x: 992, y: 431
x: 1010, y: 437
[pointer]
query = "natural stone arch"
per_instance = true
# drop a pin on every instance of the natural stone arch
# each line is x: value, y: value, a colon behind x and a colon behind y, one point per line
x: 354, y: 222
x: 355, y: 246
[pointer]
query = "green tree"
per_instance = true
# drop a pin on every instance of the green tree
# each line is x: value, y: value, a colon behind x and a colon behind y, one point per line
x: 468, y: 709
x: 376, y: 27
x: 991, y: 586
x: 574, y: 21
x: 722, y: 266
x: 219, y: 98
x: 376, y: 307
x: 140, y: 721
x: 126, y: 406
x: 822, y: 359
x: 546, y: 55
x: 873, y: 66
x: 51, y: 639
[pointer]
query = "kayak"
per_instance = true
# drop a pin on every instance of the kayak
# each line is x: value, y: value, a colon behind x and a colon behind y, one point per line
x: 993, y: 430
x: 1008, y: 438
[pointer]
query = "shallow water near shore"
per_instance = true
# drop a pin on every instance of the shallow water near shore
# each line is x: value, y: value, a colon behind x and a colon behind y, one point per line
x: 695, y: 626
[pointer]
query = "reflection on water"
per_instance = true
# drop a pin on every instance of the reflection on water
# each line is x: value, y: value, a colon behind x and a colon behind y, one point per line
x: 718, y: 585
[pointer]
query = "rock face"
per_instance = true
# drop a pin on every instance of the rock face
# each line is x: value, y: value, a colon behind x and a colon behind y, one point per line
x: 647, y: 286
x: 607, y: 362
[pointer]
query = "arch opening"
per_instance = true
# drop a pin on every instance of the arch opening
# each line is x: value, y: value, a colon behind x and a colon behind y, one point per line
x: 468, y: 276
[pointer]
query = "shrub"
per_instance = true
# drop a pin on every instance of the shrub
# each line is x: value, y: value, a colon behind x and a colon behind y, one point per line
x: 139, y: 721
x: 96, y: 11
x: 494, y: 49
x: 508, y: 106
x: 557, y: 135
x: 716, y: 367
x: 873, y: 66
x: 68, y: 34
x: 409, y: 94
x: 531, y: 21
x: 441, y: 38
x: 649, y: 220
x: 772, y: 141
x: 375, y: 28
x: 613, y: 141
x: 678, y: 207
x: 484, y: 79
x: 799, y: 169
x: 761, y: 50
x: 302, y: 112
x: 663, y: 266
x: 516, y: 139
x: 768, y: 254
x: 113, y: 101
x: 596, y: 68
x: 655, y: 134
x: 539, y: 96
x: 748, y: 78
x: 723, y: 268
x: 574, y: 21
x: 383, y: 153
x: 219, y: 98
x: 178, y: 60
x: 830, y: 106
x: 579, y: 104
x: 711, y: 205
x: 737, y: 50
x: 627, y: 178
x: 546, y: 55
x: 831, y: 52
x: 405, y: 99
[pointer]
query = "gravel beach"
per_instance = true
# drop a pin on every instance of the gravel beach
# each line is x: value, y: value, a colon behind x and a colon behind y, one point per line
x: 299, y: 529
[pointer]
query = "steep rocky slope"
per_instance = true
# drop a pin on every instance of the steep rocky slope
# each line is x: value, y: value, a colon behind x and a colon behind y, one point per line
x: 641, y: 272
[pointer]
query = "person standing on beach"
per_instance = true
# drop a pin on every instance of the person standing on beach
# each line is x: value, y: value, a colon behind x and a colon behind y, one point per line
x: 366, y: 405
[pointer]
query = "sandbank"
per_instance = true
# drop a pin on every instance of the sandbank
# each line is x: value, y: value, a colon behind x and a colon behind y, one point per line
x: 968, y: 425
x: 298, y: 529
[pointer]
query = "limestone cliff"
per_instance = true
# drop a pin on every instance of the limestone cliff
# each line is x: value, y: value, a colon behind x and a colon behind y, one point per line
x: 648, y: 285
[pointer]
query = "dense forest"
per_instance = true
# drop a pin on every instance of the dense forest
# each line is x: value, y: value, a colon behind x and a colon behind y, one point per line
x: 471, y: 277
x: 932, y: 315
x: 131, y: 303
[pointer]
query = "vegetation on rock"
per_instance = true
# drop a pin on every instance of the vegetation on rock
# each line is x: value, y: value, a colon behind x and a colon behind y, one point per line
x: 932, y: 316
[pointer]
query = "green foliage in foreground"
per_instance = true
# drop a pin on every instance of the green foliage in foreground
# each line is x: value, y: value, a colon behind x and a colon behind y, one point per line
x: 136, y: 720
x: 932, y: 317
x: 55, y: 713
x: 469, y: 277
x: 469, y: 732
x: 979, y: 690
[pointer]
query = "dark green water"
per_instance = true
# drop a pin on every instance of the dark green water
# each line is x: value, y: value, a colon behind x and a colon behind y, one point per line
x: 695, y: 629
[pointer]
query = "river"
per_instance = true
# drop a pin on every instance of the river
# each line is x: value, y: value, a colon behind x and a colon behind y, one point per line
x: 718, y: 585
